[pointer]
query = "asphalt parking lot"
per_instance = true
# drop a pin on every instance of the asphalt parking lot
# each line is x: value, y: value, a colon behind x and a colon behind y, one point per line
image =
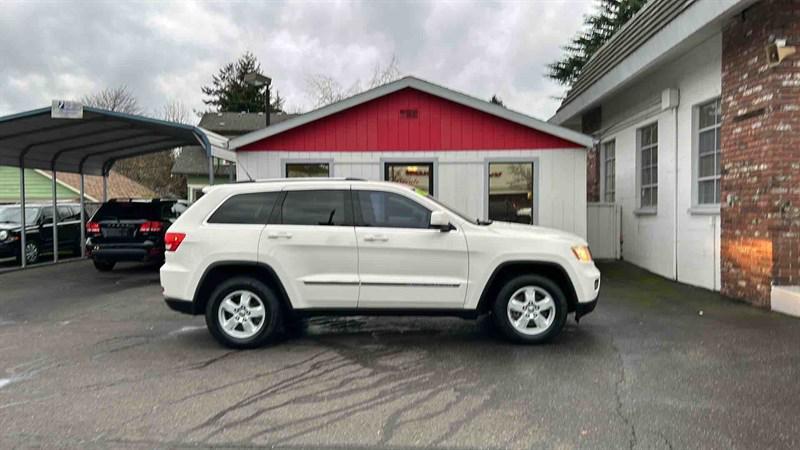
x: 96, y: 360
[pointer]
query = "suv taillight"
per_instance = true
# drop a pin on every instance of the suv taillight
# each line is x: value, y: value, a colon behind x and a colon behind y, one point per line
x: 173, y: 240
x: 93, y: 228
x: 151, y: 227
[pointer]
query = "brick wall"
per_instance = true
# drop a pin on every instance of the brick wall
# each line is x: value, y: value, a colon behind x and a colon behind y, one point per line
x: 760, y: 153
x: 593, y: 174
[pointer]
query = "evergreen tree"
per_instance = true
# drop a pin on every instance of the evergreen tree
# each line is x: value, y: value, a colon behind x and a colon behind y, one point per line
x: 229, y: 92
x: 610, y: 16
x: 497, y: 101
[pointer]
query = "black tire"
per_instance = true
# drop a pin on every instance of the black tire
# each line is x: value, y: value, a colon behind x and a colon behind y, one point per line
x: 272, y: 318
x: 104, y: 266
x: 501, y: 314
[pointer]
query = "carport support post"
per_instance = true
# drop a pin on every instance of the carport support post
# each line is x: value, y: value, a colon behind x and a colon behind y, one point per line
x: 210, y: 168
x: 83, y: 220
x: 105, y: 187
x: 23, y: 234
x: 55, y: 219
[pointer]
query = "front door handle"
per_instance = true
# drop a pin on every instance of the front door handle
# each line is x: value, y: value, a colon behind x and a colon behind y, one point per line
x: 376, y: 238
x: 279, y: 234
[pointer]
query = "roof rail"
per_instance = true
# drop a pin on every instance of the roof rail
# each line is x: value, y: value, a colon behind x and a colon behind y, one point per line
x: 284, y: 180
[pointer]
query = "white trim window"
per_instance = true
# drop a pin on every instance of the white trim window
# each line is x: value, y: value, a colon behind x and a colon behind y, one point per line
x: 306, y: 169
x: 647, y: 140
x: 609, y: 166
x: 419, y: 175
x: 708, y: 153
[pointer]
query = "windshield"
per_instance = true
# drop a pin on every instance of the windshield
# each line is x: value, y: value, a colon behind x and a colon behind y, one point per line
x: 10, y: 214
x: 476, y: 221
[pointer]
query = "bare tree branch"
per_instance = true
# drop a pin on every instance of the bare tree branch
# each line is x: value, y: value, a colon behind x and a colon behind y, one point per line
x: 324, y: 89
x: 175, y: 111
x: 118, y: 99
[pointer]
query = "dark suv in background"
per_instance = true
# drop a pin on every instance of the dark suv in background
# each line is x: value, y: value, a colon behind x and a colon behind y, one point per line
x: 39, y: 235
x: 130, y: 230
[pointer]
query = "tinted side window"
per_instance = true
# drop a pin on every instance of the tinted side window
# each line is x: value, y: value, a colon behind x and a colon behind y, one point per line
x: 327, y: 207
x: 246, y: 208
x: 388, y: 210
x: 46, y: 215
x: 65, y: 213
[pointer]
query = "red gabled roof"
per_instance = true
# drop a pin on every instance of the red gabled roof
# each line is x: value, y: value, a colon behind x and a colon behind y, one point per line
x: 411, y: 115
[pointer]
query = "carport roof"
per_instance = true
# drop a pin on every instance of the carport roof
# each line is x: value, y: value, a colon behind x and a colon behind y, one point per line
x: 92, y: 144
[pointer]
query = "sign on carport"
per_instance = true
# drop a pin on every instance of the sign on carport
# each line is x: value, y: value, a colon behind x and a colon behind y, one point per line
x: 65, y: 109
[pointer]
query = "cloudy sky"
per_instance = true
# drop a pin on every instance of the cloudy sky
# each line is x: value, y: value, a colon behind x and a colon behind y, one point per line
x: 165, y: 51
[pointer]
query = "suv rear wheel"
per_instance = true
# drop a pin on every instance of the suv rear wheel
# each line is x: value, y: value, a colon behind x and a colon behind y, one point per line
x: 243, y: 313
x: 530, y: 309
x: 104, y: 266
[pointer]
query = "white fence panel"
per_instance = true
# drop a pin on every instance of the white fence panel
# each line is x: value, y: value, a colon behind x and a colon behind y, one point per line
x: 603, y: 221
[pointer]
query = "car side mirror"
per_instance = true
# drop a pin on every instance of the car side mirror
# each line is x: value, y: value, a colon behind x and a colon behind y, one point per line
x: 440, y: 220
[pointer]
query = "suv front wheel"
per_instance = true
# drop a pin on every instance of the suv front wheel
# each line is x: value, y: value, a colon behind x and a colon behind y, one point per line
x: 243, y: 313
x: 530, y: 309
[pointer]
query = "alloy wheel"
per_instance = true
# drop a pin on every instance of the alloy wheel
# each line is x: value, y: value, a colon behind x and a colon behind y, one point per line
x: 31, y: 253
x: 531, y: 310
x: 241, y: 314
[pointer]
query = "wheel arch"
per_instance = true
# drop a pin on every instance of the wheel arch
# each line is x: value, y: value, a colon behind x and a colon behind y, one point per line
x: 221, y: 270
x: 510, y: 269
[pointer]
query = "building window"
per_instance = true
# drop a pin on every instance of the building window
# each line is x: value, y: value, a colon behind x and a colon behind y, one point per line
x: 647, y: 138
x: 609, y: 171
x: 708, y: 154
x: 306, y: 170
x: 417, y: 175
x: 511, y: 192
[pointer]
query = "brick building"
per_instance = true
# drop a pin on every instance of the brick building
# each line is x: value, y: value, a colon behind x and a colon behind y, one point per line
x: 695, y: 106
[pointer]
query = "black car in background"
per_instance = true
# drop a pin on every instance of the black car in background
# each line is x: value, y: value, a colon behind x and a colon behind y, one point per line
x: 130, y: 230
x: 39, y: 235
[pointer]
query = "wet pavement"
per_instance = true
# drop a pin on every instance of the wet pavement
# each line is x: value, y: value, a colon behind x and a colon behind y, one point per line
x: 95, y: 360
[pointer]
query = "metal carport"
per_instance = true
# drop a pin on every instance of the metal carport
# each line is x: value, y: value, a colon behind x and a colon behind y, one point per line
x: 89, y: 143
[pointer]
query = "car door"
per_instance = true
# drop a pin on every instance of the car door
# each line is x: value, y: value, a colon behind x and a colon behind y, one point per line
x: 68, y: 228
x: 45, y: 229
x: 402, y: 262
x: 310, y: 243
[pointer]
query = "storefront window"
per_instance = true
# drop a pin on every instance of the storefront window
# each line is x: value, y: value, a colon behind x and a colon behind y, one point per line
x: 511, y: 192
x: 417, y: 175
x: 306, y: 170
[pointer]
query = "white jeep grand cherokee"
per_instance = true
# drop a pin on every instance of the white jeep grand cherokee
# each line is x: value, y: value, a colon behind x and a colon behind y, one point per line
x: 252, y: 255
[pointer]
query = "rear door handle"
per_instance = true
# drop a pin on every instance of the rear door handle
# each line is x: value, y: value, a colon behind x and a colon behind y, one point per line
x: 279, y: 234
x: 376, y: 238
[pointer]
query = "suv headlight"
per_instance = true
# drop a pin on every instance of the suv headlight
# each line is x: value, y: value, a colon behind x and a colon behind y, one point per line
x: 582, y: 253
x: 3, y: 235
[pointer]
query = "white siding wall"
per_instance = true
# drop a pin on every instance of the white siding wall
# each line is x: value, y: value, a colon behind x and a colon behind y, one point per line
x: 649, y: 241
x: 460, y: 179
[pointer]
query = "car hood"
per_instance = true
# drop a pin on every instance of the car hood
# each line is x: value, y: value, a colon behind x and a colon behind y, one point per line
x: 533, y: 231
x: 9, y: 226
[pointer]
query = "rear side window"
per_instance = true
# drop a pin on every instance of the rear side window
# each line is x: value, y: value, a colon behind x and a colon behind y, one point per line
x: 325, y: 207
x: 66, y: 213
x: 389, y: 210
x: 129, y: 211
x: 246, y: 208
